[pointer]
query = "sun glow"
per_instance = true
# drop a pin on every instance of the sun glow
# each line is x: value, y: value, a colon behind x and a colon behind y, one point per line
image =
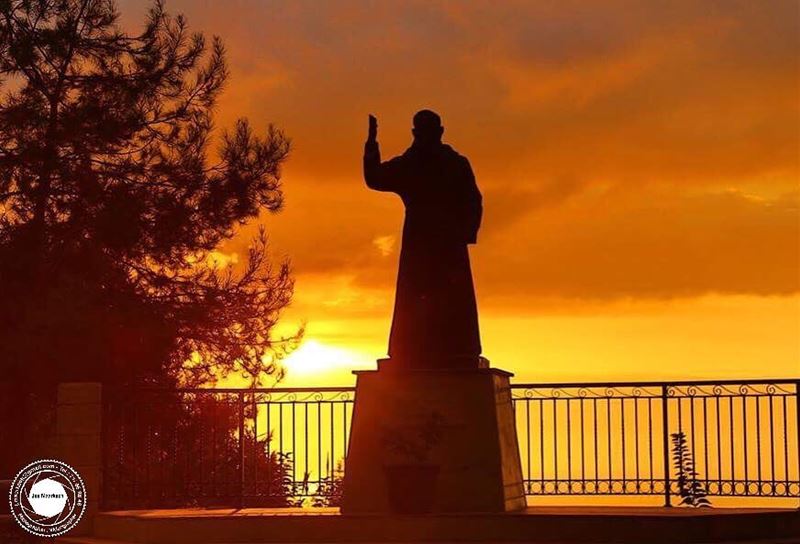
x: 315, y: 362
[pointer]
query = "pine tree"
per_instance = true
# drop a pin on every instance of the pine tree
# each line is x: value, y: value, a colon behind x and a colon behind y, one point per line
x: 112, y: 200
x: 115, y: 190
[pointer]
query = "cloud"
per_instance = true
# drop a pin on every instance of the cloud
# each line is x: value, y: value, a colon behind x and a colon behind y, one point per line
x: 701, y: 93
x: 575, y: 240
x: 503, y: 206
x: 384, y: 244
x: 625, y: 149
x: 648, y: 245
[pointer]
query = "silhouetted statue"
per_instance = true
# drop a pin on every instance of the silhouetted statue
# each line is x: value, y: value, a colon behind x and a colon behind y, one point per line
x: 435, y: 321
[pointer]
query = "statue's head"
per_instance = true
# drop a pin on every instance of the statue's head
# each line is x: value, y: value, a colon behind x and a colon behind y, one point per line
x: 428, y: 128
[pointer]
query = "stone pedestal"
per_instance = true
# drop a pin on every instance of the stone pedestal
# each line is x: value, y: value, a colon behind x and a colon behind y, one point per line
x: 456, y: 426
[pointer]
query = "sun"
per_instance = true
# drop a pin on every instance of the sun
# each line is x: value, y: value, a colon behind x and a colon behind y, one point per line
x: 322, y: 361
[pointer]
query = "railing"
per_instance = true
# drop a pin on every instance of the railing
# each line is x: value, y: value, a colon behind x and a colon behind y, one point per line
x: 281, y: 447
x: 619, y: 438
x: 251, y: 447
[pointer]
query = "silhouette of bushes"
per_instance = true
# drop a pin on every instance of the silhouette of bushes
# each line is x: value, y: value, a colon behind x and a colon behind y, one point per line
x: 180, y: 452
x: 329, y: 492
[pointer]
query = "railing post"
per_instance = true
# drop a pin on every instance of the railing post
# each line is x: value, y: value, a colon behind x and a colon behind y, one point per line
x: 797, y: 428
x: 665, y: 442
x: 241, y: 449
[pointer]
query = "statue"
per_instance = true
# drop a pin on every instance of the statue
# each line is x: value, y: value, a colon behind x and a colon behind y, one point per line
x: 435, y: 321
x: 413, y: 415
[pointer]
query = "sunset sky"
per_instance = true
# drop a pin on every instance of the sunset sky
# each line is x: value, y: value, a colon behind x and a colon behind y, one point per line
x: 639, y: 163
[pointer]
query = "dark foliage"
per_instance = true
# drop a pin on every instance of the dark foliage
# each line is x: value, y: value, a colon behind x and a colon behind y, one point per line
x: 110, y: 202
x: 691, y: 489
x: 113, y: 200
x: 182, y: 450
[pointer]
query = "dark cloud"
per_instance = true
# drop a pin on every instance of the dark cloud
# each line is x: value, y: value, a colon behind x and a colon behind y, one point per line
x: 656, y: 244
x: 506, y: 205
x: 642, y: 90
x: 575, y: 241
x: 625, y: 148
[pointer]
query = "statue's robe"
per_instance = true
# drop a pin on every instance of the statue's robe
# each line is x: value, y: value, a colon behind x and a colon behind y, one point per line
x: 435, y: 322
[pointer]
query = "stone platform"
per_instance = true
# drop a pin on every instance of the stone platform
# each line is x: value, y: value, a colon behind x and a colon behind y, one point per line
x: 432, y: 440
x: 563, y: 525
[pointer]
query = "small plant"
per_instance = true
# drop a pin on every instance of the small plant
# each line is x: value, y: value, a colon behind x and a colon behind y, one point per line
x: 329, y: 492
x: 414, y: 442
x: 691, y: 489
x: 411, y: 477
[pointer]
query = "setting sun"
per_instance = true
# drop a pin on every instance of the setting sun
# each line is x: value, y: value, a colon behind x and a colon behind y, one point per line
x: 317, y: 363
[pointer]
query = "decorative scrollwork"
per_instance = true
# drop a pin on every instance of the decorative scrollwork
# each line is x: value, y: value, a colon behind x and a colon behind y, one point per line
x: 744, y: 389
x: 531, y: 392
x: 751, y: 389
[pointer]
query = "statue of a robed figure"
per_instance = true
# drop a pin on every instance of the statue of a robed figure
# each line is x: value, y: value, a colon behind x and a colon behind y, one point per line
x: 433, y: 426
x: 435, y: 322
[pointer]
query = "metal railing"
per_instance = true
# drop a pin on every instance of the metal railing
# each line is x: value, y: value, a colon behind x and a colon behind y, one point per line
x: 283, y: 447
x: 620, y: 438
x: 243, y: 447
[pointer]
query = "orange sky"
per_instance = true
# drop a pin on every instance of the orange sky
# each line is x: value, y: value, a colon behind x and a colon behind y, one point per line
x: 639, y: 163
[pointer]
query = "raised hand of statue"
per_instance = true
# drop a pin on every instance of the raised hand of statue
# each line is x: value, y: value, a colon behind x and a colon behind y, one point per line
x: 372, y: 134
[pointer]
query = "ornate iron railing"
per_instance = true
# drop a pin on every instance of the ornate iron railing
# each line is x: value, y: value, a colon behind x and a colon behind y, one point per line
x: 280, y: 447
x: 245, y: 447
x: 619, y: 438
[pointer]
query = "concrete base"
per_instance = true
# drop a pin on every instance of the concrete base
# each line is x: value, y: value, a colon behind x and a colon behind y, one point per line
x: 438, y: 440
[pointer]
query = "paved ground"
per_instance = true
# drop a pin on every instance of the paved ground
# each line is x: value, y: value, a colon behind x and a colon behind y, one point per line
x: 530, y: 511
